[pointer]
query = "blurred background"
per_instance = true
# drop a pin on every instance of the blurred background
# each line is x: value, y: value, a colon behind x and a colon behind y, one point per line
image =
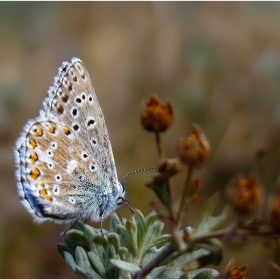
x: 217, y: 63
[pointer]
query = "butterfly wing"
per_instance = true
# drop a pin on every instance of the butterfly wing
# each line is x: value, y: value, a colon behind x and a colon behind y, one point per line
x: 64, y: 156
x: 72, y: 100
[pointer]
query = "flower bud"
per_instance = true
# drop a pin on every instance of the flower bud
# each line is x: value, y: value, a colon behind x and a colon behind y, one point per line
x: 233, y: 271
x: 156, y: 117
x: 245, y: 195
x: 195, y: 149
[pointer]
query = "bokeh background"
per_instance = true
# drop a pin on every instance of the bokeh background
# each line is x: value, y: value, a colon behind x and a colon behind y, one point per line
x: 217, y: 63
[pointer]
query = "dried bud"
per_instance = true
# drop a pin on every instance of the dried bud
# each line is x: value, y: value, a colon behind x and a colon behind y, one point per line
x: 166, y: 169
x: 156, y: 117
x: 233, y: 271
x: 245, y: 195
x: 195, y: 149
x: 159, y: 182
x: 274, y: 214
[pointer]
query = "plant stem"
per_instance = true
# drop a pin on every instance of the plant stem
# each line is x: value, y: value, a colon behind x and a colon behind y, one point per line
x: 169, y: 249
x: 184, y: 195
x: 159, y: 147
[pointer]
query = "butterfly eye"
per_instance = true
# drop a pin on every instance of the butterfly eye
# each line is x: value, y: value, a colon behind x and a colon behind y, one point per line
x: 123, y: 187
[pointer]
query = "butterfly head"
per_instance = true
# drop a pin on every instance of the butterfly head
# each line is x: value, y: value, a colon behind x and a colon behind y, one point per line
x: 121, y: 197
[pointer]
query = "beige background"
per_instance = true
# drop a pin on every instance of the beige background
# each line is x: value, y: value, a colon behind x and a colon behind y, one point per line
x: 217, y: 63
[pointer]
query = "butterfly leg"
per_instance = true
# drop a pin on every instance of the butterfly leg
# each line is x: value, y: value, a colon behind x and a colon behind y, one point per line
x: 101, y: 228
x: 126, y: 202
x: 64, y: 232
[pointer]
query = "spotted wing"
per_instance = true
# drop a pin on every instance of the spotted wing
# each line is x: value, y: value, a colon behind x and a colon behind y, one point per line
x: 64, y: 156
x: 72, y: 100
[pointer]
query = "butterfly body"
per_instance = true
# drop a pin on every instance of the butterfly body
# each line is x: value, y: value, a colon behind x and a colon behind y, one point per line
x: 65, y: 164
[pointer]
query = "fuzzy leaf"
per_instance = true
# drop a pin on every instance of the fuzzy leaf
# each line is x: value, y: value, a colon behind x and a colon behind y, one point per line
x: 123, y: 235
x: 191, y: 190
x: 203, y: 273
x: 126, y: 266
x: 90, y: 232
x: 110, y: 253
x: 174, y: 266
x: 98, y: 249
x: 131, y: 229
x: 162, y: 240
x: 216, y: 222
x: 102, y: 240
x: 78, y: 225
x: 114, y: 222
x: 113, y: 239
x: 61, y: 248
x: 77, y: 236
x: 70, y: 260
x: 202, y: 223
x: 97, y: 264
x: 141, y: 226
x: 82, y: 259
x: 161, y: 189
x: 156, y: 272
x: 74, y: 240
x: 122, y: 252
x: 86, y: 274
x: 152, y: 218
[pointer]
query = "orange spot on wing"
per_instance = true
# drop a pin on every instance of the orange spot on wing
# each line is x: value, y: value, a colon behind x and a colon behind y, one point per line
x: 52, y: 129
x: 43, y: 192
x: 33, y: 157
x: 66, y: 130
x: 39, y: 132
x: 34, y: 173
x: 48, y: 198
x: 32, y: 143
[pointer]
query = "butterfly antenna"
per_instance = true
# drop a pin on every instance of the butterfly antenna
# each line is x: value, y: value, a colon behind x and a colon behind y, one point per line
x: 136, y: 171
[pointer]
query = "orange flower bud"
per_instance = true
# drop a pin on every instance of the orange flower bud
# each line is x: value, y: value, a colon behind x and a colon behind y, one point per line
x: 156, y: 117
x: 195, y: 149
x: 245, y: 195
x: 274, y: 214
x: 233, y: 271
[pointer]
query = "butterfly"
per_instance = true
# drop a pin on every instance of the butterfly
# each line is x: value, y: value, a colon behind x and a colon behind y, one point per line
x: 65, y: 167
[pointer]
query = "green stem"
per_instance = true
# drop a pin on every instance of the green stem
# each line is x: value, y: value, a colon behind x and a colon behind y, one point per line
x: 185, y: 193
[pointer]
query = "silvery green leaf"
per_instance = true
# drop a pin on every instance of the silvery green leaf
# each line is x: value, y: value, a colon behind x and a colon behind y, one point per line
x: 76, y: 235
x: 114, y: 221
x: 126, y: 266
x: 61, y: 248
x: 90, y: 232
x: 174, y: 266
x: 70, y: 260
x: 87, y: 274
x: 113, y: 239
x: 202, y: 222
x: 97, y: 264
x: 216, y: 222
x: 112, y: 271
x: 162, y: 239
x: 203, y: 273
x: 82, y: 260
x: 156, y: 272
